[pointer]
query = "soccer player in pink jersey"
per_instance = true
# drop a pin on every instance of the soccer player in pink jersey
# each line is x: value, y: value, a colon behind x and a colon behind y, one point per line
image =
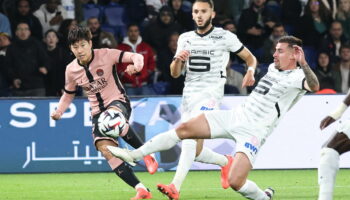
x: 95, y: 71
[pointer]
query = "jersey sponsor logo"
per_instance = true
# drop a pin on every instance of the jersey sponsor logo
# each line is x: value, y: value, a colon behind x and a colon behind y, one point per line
x: 251, y: 147
x: 206, y: 108
x: 99, y: 72
x: 96, y: 86
x: 215, y: 37
x: 202, y: 52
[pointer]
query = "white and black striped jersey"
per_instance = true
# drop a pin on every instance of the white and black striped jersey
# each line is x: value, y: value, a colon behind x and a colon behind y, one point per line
x: 274, y: 95
x: 206, y: 66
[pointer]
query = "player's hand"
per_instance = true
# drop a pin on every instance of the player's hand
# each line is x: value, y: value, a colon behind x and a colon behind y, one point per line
x: 248, y: 79
x: 326, y: 122
x: 131, y: 69
x: 56, y: 115
x: 299, y: 55
x: 183, y: 55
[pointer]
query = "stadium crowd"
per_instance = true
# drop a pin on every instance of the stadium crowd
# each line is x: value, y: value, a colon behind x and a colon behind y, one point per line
x: 34, y: 50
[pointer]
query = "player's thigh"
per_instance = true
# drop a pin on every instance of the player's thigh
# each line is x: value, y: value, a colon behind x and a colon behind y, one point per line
x: 339, y: 142
x: 195, y: 128
x: 239, y: 171
x: 101, y: 145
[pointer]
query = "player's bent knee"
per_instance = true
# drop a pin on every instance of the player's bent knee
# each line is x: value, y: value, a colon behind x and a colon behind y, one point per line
x: 182, y: 130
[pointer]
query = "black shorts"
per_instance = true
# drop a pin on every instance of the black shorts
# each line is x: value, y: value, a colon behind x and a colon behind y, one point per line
x: 97, y: 135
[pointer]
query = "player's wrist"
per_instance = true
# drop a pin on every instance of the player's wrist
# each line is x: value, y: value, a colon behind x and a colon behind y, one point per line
x: 177, y: 59
x: 252, y: 69
x: 338, y: 112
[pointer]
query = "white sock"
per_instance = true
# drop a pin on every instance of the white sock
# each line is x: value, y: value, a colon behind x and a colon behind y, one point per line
x: 188, y: 153
x: 327, y: 171
x: 251, y: 191
x: 209, y: 156
x: 160, y: 142
x: 140, y: 185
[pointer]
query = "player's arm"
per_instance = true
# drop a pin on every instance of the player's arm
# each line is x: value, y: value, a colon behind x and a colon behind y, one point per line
x: 251, y: 62
x: 178, y: 63
x: 66, y: 98
x: 311, y: 84
x: 134, y: 58
x: 337, y: 113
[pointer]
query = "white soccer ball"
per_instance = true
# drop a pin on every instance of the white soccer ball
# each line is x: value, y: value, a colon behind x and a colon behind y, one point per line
x: 111, y: 123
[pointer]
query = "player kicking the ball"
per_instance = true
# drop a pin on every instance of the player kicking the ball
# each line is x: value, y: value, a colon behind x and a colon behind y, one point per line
x: 286, y: 81
x: 95, y: 72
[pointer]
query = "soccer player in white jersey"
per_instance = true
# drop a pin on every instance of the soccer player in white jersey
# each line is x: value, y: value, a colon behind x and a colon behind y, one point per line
x: 338, y: 144
x: 204, y: 55
x: 286, y: 81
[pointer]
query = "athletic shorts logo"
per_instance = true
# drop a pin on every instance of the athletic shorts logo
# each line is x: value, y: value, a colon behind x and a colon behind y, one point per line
x: 206, y: 108
x: 99, y: 72
x: 251, y: 147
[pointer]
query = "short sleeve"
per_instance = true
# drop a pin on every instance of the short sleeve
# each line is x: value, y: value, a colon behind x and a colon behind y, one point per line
x: 233, y: 43
x: 298, y: 79
x: 181, y: 44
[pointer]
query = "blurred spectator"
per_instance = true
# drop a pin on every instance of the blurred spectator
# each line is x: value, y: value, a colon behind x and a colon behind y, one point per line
x: 64, y: 29
x: 255, y: 25
x: 137, y: 84
x: 270, y: 43
x: 23, y: 13
x: 100, y: 39
x: 331, y: 6
x: 5, y: 26
x: 157, y: 33
x: 314, y: 23
x: 343, y: 66
x: 236, y: 8
x: 153, y: 8
x: 58, y: 58
x: 332, y: 42
x: 181, y: 17
x: 343, y: 15
x: 51, y: 14
x: 136, y: 11
x: 291, y: 11
x: 327, y: 77
x: 222, y: 12
x: 164, y: 59
x: 26, y: 61
x: 234, y: 81
x: 4, y: 82
x: 231, y: 26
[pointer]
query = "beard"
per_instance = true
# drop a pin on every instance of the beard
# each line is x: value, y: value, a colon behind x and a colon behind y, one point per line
x: 205, y: 25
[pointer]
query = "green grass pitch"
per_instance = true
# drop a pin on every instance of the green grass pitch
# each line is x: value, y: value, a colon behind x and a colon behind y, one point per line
x: 289, y: 185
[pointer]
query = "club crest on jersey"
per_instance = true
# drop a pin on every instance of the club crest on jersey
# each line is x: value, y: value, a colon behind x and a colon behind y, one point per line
x: 99, y: 72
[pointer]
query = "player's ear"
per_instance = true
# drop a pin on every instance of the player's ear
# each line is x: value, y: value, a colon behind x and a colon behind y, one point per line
x: 213, y: 14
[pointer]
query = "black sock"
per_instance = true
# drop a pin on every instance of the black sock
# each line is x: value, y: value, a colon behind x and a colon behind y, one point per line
x: 125, y: 172
x: 132, y: 138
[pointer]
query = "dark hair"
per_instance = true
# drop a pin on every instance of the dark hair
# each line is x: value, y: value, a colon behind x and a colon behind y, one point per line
x: 132, y: 24
x: 344, y: 46
x: 210, y: 2
x: 49, y: 31
x: 291, y: 40
x: 79, y: 33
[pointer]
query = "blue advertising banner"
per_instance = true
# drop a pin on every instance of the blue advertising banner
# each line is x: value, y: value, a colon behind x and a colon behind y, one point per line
x: 32, y: 142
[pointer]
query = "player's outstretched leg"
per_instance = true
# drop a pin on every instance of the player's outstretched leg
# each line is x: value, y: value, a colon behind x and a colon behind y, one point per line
x: 123, y: 170
x: 169, y: 190
x: 134, y: 140
x: 327, y: 171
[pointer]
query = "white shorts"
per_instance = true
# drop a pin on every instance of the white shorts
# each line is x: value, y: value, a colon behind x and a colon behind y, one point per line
x: 344, y: 127
x: 232, y: 125
x: 201, y: 105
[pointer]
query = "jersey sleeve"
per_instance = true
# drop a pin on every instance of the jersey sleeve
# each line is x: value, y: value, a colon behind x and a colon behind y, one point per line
x: 181, y: 44
x: 233, y: 43
x: 298, y: 79
x: 70, y: 85
x: 115, y: 54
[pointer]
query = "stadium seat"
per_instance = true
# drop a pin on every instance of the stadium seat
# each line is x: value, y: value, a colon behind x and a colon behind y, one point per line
x: 91, y: 10
x: 115, y: 17
x: 311, y: 56
x: 275, y: 8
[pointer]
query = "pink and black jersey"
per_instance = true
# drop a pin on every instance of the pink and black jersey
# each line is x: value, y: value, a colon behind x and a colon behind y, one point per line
x: 98, y: 78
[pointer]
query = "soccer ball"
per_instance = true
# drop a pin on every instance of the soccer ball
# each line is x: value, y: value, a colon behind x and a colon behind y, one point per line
x: 111, y: 123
